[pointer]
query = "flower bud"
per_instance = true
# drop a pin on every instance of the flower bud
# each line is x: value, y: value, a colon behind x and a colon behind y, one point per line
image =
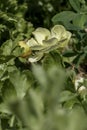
x: 26, y: 51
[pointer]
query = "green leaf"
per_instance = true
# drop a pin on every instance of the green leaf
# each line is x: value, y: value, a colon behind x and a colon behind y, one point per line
x: 75, y: 4
x: 54, y: 58
x: 71, y: 26
x: 71, y: 103
x: 4, y: 108
x: 35, y: 101
x: 21, y: 82
x: 2, y: 70
x: 80, y: 20
x: 7, y: 47
x: 66, y: 95
x: 5, y: 59
x: 8, y: 92
x: 79, y: 59
x: 69, y: 53
x: 62, y: 16
x: 66, y: 20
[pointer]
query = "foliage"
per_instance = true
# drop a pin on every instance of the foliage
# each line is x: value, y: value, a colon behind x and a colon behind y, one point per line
x: 51, y: 92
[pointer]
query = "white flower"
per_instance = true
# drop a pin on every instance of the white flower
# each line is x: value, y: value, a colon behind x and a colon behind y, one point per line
x: 82, y: 89
x: 82, y: 92
x: 45, y: 41
x: 78, y: 82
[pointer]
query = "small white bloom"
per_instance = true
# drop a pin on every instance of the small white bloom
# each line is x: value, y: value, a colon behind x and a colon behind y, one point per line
x: 86, y: 30
x: 81, y: 89
x: 82, y: 92
x: 78, y: 82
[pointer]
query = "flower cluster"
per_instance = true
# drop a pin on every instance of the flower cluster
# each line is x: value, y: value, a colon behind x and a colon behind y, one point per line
x: 80, y: 87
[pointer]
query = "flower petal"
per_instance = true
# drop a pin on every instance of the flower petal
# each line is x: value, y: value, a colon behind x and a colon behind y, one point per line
x: 57, y: 31
x: 32, y: 42
x: 41, y: 34
x: 66, y: 36
x: 54, y: 46
x: 49, y: 45
x: 50, y: 42
x: 36, y: 57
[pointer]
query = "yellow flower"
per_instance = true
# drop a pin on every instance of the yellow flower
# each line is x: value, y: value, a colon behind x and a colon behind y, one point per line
x: 43, y: 37
x: 45, y: 41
